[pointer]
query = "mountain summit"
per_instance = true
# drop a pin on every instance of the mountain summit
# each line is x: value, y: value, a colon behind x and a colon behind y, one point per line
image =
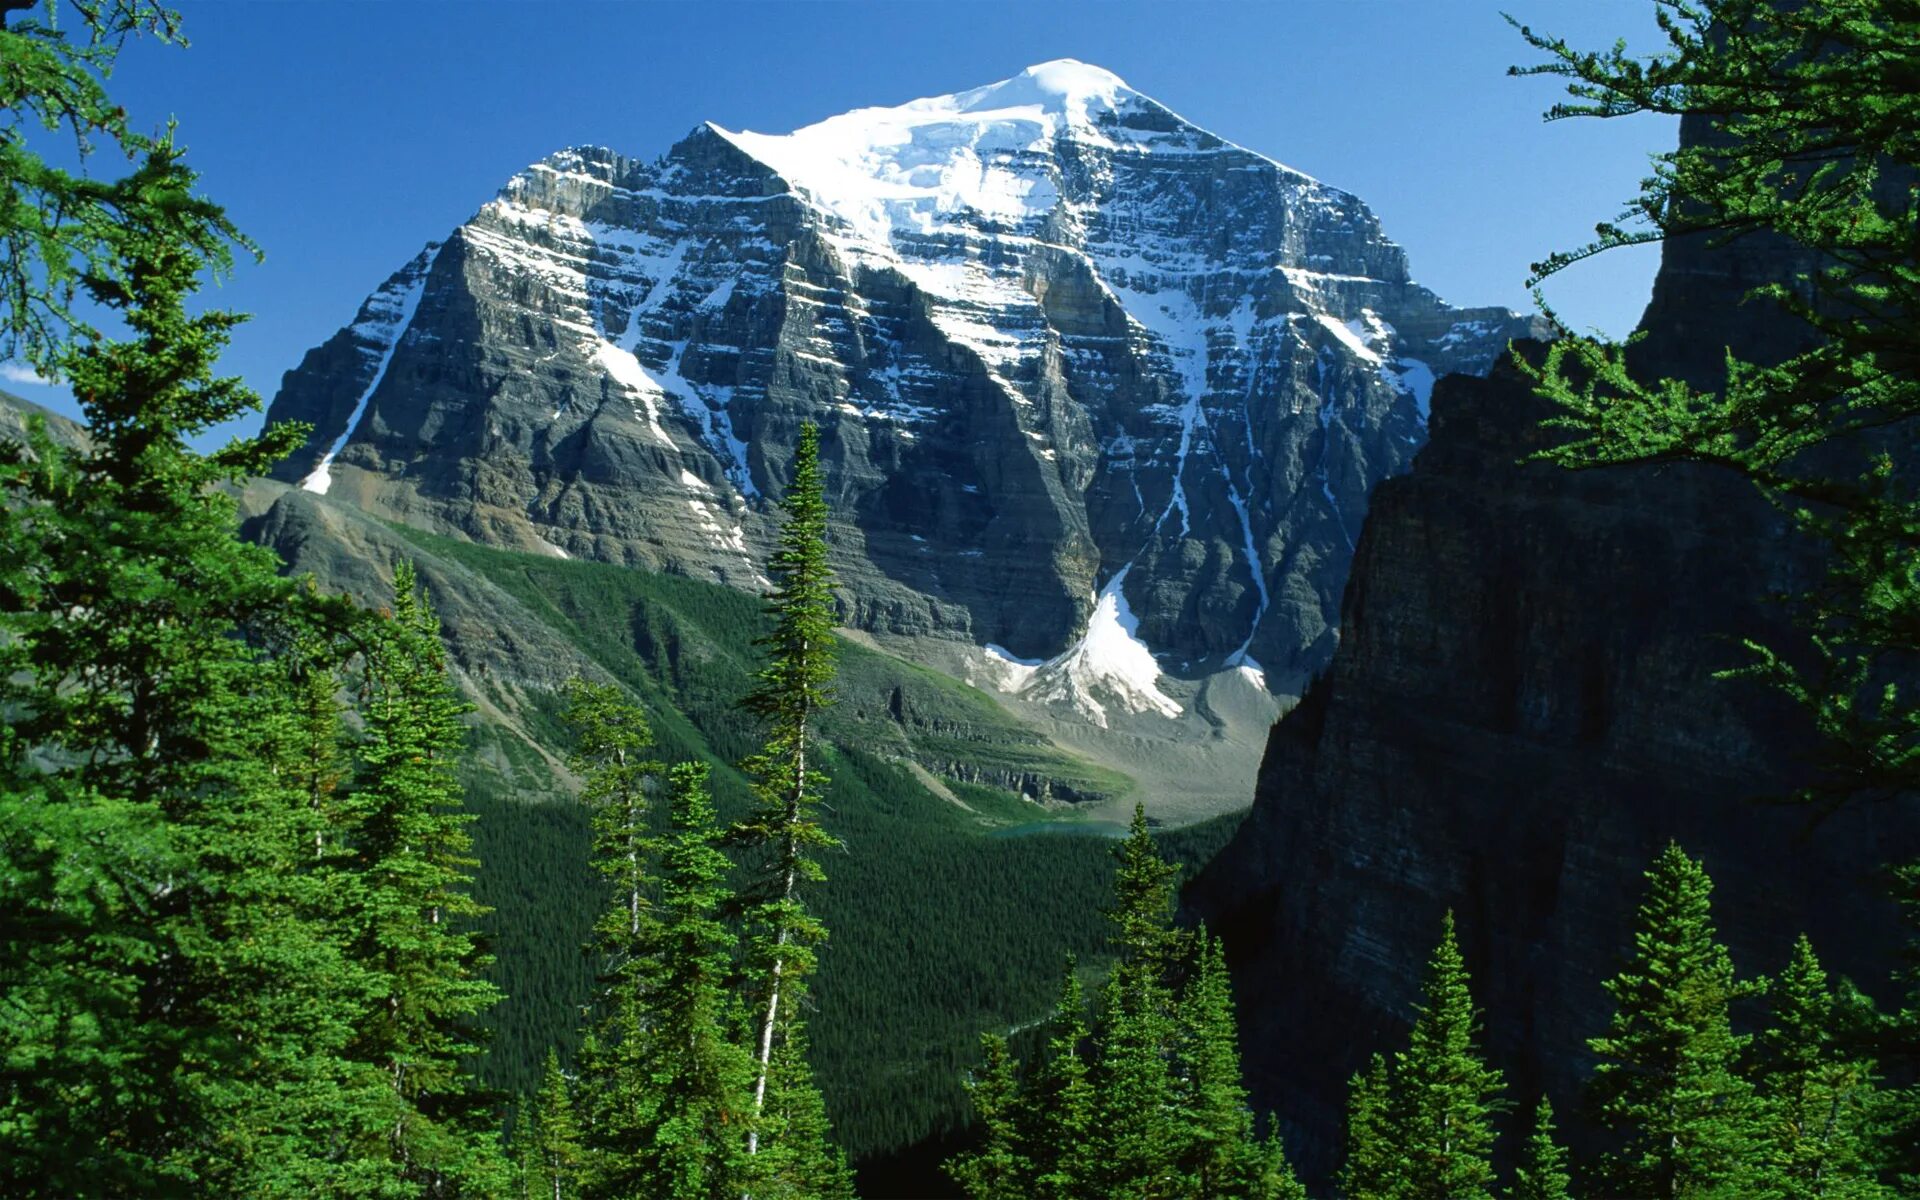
x: 1102, y: 394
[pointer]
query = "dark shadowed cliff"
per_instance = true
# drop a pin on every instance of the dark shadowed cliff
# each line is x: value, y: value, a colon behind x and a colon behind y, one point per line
x: 1521, y: 711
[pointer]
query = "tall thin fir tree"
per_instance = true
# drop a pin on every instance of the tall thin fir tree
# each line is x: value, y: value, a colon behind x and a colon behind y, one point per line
x: 414, y: 873
x: 1541, y: 1171
x: 1817, y: 1090
x: 1137, y: 1135
x: 1686, y: 1125
x: 1444, y: 1095
x: 782, y: 831
x: 612, y: 756
x: 1221, y: 1156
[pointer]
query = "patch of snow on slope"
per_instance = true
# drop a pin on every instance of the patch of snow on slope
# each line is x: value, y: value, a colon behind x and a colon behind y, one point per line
x: 1109, y: 656
x: 1416, y: 378
x: 1350, y: 334
x: 386, y: 331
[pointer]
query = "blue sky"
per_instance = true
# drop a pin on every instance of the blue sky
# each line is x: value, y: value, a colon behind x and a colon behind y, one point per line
x: 341, y: 136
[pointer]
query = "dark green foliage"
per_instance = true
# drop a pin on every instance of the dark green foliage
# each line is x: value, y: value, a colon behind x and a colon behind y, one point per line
x: 1222, y: 1157
x: 781, y: 835
x: 1541, y: 1173
x: 998, y: 1170
x: 1444, y: 1094
x: 696, y: 1075
x: 1059, y: 1130
x: 173, y: 1003
x: 1420, y: 1127
x: 1818, y: 1095
x: 548, y: 1156
x: 1147, y: 1102
x: 1371, y: 1168
x: 412, y: 914
x: 1685, y: 1124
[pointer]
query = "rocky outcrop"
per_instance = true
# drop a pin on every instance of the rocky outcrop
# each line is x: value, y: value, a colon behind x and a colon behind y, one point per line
x: 1088, y: 375
x: 1523, y: 708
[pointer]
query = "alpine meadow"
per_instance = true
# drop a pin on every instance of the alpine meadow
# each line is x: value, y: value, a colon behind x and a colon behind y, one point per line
x: 1000, y: 646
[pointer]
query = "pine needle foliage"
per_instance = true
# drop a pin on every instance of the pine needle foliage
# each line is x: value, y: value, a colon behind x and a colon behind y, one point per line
x: 1817, y: 1090
x: 782, y: 834
x: 1541, y: 1173
x: 1810, y: 111
x: 1686, y: 1123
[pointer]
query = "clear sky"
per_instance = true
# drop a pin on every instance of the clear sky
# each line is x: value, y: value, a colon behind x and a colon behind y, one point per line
x: 341, y: 136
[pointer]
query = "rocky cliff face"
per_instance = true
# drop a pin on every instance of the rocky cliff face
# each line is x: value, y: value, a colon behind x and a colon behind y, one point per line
x: 1104, y: 395
x: 1521, y: 711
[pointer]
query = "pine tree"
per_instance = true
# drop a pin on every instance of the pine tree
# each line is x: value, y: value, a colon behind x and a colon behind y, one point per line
x: 1221, y: 1156
x: 794, y: 687
x: 177, y: 1006
x: 1443, y: 1093
x: 1541, y: 1173
x: 1666, y: 1087
x: 999, y: 1169
x: 699, y: 1077
x: 611, y: 744
x: 1818, y: 1096
x: 547, y: 1141
x: 1138, y: 1138
x: 1372, y: 1168
x: 798, y: 1159
x: 1059, y: 1108
x: 413, y: 868
x: 1900, y: 1141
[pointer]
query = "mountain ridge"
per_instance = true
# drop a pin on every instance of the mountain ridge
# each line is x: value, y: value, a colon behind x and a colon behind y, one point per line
x: 1102, y: 394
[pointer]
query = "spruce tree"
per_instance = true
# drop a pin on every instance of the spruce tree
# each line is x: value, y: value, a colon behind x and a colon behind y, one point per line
x: 1137, y: 1141
x: 1443, y: 1093
x: 698, y: 1076
x: 798, y: 1159
x: 999, y: 1169
x: 1371, y: 1167
x: 1221, y: 1155
x: 1059, y: 1112
x: 612, y: 741
x: 1817, y: 1094
x: 413, y: 866
x: 782, y: 831
x: 1541, y: 1173
x: 1685, y: 1123
x: 176, y: 1002
x: 548, y: 1149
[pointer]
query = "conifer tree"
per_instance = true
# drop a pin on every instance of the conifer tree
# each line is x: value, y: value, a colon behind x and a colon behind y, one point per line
x: 699, y: 1077
x: 1060, y: 1114
x: 1541, y: 1173
x: 798, y: 1159
x: 782, y: 831
x: 1686, y: 1124
x: 1138, y: 1136
x: 611, y: 744
x: 1371, y: 1168
x: 999, y: 1169
x: 1818, y: 1095
x: 175, y: 1008
x: 1221, y: 1154
x: 547, y: 1141
x: 414, y: 870
x: 1443, y: 1093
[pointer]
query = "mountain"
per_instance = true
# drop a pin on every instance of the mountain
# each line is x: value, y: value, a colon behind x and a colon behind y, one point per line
x: 1524, y: 707
x: 1103, y: 395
